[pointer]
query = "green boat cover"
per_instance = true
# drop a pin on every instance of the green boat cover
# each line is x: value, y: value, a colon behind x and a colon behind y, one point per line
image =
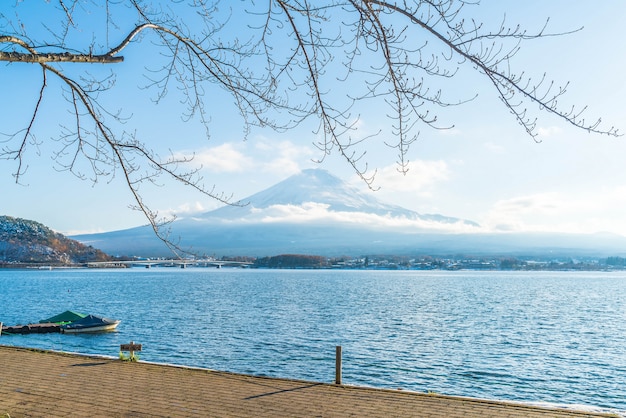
x: 64, y: 318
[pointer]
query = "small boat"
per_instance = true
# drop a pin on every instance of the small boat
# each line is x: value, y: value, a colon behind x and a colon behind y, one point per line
x: 90, y: 323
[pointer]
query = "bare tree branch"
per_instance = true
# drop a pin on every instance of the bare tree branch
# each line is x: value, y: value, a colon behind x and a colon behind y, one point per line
x: 290, y: 61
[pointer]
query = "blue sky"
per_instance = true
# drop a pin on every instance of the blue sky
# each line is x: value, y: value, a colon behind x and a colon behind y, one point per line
x: 485, y: 169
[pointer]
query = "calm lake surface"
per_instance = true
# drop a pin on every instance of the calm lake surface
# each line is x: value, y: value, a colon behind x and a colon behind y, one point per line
x: 525, y: 336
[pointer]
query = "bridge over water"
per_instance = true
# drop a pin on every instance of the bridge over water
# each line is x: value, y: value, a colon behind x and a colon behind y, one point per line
x: 182, y: 263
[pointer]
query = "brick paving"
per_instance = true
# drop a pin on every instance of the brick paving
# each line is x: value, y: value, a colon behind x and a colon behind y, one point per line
x: 36, y: 383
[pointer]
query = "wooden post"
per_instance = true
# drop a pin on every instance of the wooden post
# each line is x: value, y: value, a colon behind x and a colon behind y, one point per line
x: 0, y: 328
x: 131, y: 348
x: 338, y: 365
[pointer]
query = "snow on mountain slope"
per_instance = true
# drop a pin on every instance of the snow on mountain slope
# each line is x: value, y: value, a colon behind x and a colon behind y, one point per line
x: 316, y: 195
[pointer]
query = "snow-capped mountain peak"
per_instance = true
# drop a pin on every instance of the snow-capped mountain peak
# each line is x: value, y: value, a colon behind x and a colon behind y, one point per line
x: 317, y: 195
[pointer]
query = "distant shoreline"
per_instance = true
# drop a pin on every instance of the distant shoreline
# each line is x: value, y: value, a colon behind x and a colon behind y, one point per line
x: 573, y: 268
x: 33, y: 266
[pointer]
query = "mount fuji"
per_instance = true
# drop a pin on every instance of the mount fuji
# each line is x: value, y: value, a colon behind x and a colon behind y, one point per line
x: 316, y: 195
x: 314, y: 212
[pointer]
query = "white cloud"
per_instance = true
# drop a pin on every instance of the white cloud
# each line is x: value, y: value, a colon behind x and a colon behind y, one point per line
x: 513, y: 214
x: 560, y: 212
x: 318, y: 212
x: 283, y: 157
x: 185, y: 209
x: 543, y: 203
x: 548, y: 131
x: 225, y: 158
x: 422, y: 177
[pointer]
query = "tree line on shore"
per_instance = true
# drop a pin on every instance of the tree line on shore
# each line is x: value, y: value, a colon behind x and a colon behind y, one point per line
x: 458, y: 262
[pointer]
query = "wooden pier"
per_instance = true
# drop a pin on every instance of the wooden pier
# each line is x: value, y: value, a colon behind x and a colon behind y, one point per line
x: 36, y: 383
x: 44, y: 328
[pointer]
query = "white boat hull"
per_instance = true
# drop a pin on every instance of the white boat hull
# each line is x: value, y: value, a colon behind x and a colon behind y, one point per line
x: 98, y: 328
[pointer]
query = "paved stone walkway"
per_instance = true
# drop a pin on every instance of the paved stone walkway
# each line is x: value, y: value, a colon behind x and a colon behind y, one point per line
x: 35, y: 383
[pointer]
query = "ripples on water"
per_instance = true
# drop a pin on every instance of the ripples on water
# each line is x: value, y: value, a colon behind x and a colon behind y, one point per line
x: 533, y: 337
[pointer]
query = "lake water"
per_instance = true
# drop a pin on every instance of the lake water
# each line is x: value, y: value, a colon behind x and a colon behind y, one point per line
x: 524, y: 336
